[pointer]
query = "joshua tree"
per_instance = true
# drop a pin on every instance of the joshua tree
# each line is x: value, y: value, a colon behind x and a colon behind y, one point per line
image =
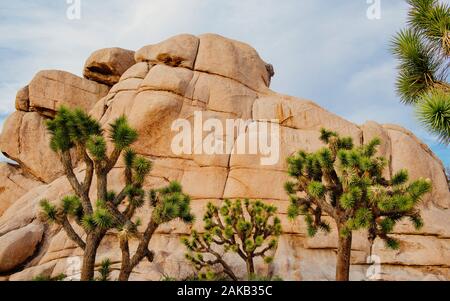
x: 168, y: 203
x: 76, y: 132
x: 248, y: 228
x: 346, y: 183
x: 423, y: 50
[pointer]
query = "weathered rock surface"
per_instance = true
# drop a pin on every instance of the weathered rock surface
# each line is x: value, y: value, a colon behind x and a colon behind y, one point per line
x: 23, y: 99
x: 178, y: 51
x: 107, y: 65
x: 52, y: 89
x: 13, y: 184
x: 18, y: 245
x: 223, y: 79
x: 232, y: 59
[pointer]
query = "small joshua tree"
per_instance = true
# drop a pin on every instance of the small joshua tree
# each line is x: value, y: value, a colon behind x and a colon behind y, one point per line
x: 346, y: 183
x: 248, y: 228
x: 105, y: 270
x: 75, y: 131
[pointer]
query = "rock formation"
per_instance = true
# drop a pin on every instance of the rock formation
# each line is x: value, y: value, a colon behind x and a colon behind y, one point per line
x: 224, y: 79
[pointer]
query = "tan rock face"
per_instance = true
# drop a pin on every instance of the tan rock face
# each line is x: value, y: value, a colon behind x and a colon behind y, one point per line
x: 23, y: 100
x: 407, y: 149
x: 13, y: 184
x: 178, y: 51
x: 107, y: 65
x: 224, y: 80
x: 52, y: 89
x: 232, y: 59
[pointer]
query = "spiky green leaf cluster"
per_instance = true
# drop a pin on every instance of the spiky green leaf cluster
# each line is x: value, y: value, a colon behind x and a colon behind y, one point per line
x: 434, y: 113
x: 105, y: 270
x: 49, y: 212
x: 96, y: 145
x: 141, y: 167
x: 171, y: 203
x: 70, y: 127
x: 121, y: 134
x: 103, y: 219
x: 69, y: 206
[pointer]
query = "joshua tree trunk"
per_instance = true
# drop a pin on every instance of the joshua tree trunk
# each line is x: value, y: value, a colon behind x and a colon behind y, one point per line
x: 87, y: 271
x: 250, y: 267
x: 125, y: 273
x: 128, y: 264
x: 125, y: 269
x: 343, y: 255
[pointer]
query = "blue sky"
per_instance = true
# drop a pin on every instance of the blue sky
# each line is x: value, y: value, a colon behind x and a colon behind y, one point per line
x: 326, y: 51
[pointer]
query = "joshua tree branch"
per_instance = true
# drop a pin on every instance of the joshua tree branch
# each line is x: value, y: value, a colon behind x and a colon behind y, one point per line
x: 71, y: 233
x: 142, y: 250
x: 120, y: 197
x: 262, y: 252
x: 89, y: 172
x: 116, y: 213
x: 226, y: 268
x: 113, y: 158
x: 125, y: 248
x: 66, y: 160
x: 325, y: 206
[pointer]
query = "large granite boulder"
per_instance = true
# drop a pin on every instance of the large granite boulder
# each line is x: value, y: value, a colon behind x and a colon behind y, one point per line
x: 107, y: 65
x: 51, y: 89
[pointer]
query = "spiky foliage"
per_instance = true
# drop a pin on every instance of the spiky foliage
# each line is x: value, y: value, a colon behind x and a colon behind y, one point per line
x: 73, y: 131
x: 423, y: 51
x: 170, y: 203
x: 60, y: 277
x: 346, y: 183
x: 122, y: 135
x: 105, y: 270
x: 434, y: 113
x: 71, y: 127
x: 248, y: 228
